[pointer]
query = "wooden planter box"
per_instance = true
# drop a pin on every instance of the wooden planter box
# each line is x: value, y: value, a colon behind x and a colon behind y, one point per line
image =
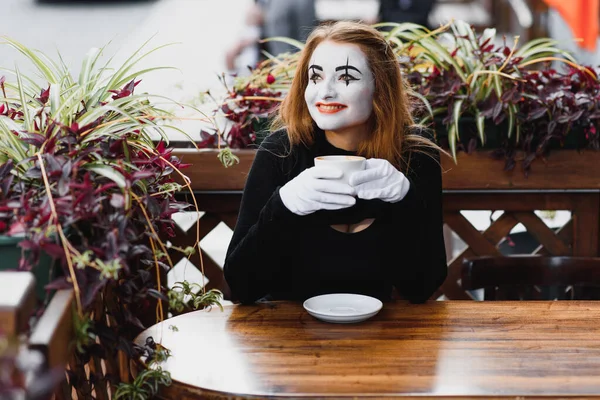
x: 561, y: 170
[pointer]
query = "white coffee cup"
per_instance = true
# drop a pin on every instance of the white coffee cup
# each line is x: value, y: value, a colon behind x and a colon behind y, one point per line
x: 346, y: 164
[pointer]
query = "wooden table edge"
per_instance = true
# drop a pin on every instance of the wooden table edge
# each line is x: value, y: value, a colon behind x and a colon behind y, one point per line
x: 183, y: 391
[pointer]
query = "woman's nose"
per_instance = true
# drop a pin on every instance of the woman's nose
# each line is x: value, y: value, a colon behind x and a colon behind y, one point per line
x: 327, y: 90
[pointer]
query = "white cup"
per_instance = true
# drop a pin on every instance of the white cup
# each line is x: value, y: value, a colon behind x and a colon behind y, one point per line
x: 346, y: 164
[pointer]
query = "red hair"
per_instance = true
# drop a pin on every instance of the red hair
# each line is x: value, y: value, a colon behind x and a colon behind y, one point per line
x: 391, y: 119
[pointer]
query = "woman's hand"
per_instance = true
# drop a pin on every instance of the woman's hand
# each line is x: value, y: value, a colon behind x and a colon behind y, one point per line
x: 380, y: 180
x: 314, y: 189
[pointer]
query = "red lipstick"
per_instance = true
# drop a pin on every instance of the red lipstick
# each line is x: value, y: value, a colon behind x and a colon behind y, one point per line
x: 330, y: 108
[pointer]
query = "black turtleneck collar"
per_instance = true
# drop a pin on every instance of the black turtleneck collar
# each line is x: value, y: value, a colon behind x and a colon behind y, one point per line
x: 323, y: 147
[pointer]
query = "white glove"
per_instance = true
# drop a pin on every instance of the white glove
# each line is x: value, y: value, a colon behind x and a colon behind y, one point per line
x: 380, y: 180
x: 315, y: 190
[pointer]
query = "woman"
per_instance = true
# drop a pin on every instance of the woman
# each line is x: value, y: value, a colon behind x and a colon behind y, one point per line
x: 300, y: 232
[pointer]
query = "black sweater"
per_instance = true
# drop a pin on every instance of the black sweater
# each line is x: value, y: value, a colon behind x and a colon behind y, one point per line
x: 281, y: 255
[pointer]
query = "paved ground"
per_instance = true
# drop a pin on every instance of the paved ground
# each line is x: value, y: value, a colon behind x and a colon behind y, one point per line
x: 203, y: 29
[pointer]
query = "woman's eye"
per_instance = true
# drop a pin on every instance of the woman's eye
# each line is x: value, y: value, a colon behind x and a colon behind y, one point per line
x: 347, y: 78
x: 314, y: 77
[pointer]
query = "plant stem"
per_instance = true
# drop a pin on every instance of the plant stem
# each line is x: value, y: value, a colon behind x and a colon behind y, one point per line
x: 187, y: 184
x: 162, y: 245
x: 243, y: 98
x: 543, y: 59
x: 159, y: 308
x: 514, y: 78
x: 62, y: 236
x: 186, y: 180
x: 510, y: 55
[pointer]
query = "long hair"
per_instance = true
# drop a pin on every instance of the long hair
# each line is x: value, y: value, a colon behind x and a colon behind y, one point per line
x: 391, y: 122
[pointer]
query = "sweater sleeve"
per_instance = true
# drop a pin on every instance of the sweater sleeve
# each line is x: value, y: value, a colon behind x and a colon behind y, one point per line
x: 424, y: 267
x: 254, y: 253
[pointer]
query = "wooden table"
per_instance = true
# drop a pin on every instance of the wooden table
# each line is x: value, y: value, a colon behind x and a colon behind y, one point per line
x: 456, y: 349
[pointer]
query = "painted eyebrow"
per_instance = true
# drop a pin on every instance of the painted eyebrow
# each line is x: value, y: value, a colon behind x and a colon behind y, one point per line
x: 316, y: 67
x: 347, y: 67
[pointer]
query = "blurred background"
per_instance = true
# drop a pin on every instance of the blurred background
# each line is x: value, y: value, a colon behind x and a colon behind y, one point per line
x: 215, y: 36
x: 212, y: 38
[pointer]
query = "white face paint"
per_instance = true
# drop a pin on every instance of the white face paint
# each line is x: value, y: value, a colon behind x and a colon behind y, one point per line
x: 339, y: 94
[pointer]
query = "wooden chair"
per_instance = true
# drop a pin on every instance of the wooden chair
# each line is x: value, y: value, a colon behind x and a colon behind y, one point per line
x: 533, y: 277
x: 53, y: 333
x: 52, y: 336
x: 17, y: 301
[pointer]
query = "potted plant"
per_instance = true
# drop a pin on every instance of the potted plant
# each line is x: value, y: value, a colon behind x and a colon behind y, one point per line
x: 472, y: 92
x: 83, y: 180
x: 470, y: 79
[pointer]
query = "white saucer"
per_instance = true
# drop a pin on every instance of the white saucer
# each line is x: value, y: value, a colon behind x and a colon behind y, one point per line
x: 342, y: 308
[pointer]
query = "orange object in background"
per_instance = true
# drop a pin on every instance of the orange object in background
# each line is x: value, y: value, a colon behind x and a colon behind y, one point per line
x: 582, y: 18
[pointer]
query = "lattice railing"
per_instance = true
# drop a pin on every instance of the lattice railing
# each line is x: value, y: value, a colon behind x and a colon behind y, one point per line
x: 566, y: 180
x: 578, y: 236
x: 216, y: 208
x: 487, y: 243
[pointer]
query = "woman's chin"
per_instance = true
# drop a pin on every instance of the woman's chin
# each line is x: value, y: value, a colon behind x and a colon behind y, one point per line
x: 331, y: 125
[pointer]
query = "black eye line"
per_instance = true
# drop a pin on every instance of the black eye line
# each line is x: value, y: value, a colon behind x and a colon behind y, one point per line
x: 346, y: 68
x: 315, y: 67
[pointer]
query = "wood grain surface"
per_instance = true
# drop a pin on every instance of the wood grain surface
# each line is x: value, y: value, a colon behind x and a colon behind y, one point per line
x: 560, y: 170
x: 453, y: 349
